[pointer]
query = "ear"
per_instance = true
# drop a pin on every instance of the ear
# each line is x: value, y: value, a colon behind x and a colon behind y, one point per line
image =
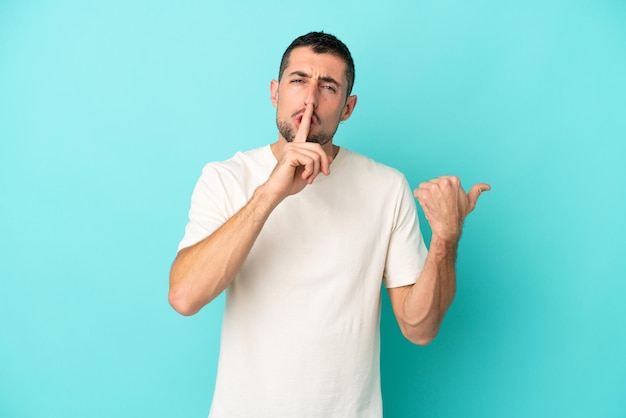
x: 274, y: 92
x: 348, y: 108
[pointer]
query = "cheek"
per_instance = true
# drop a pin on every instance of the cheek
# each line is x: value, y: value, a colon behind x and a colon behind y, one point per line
x: 283, y: 105
x: 334, y: 117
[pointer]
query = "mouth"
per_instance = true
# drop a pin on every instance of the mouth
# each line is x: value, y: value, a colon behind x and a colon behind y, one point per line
x: 300, y: 115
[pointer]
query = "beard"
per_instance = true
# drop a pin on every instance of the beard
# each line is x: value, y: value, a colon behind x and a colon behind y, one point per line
x: 287, y: 132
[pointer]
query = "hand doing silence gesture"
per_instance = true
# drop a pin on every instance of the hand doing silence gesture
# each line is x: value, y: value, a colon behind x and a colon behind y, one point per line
x: 300, y: 162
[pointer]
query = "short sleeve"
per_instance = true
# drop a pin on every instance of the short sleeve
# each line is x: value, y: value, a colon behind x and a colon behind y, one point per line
x: 407, y: 252
x: 209, y: 207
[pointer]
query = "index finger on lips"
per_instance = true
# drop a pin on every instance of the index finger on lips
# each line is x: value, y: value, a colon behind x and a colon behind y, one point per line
x: 305, y: 124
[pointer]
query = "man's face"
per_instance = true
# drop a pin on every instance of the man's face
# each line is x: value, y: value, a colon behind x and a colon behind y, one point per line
x: 312, y: 78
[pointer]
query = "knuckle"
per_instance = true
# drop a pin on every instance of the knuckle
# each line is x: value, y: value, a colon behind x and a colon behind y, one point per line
x: 422, y: 194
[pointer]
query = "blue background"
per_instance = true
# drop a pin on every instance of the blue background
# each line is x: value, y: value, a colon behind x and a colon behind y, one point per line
x: 109, y: 110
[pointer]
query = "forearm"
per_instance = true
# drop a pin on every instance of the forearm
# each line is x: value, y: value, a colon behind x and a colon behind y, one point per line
x: 420, y: 307
x: 426, y: 302
x: 201, y: 272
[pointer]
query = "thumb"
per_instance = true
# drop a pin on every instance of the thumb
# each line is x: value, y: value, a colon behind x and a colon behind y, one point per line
x: 474, y: 194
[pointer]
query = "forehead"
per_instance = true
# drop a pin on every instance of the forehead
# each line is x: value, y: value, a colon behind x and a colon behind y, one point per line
x: 306, y: 60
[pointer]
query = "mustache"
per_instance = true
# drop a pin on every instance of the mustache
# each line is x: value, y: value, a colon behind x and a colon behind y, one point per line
x: 314, y: 116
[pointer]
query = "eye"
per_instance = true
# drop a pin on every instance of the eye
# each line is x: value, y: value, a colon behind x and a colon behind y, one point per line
x: 329, y: 87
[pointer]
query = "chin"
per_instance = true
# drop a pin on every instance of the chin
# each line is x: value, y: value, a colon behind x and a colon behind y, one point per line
x: 317, y: 140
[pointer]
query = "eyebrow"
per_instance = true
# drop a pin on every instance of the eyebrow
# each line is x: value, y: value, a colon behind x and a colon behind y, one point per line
x: 325, y: 78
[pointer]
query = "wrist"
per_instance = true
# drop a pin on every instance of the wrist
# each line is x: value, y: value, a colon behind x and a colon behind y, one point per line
x: 443, y: 246
x: 264, y: 199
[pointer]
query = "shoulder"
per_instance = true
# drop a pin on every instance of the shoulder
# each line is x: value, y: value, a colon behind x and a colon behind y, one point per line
x: 251, y: 160
x: 368, y: 168
x: 246, y: 169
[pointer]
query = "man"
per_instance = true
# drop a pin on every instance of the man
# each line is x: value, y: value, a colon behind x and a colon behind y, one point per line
x: 301, y: 233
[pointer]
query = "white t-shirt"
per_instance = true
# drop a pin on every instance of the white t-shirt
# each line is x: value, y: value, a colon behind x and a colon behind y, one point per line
x: 300, y: 335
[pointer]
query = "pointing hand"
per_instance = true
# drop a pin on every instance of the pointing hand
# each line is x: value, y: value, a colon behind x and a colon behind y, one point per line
x: 446, y: 205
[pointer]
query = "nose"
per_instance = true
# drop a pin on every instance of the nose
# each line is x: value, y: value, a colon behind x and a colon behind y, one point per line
x: 311, y: 95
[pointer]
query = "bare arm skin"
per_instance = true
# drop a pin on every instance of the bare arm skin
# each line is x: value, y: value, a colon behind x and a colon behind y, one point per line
x: 420, y: 308
x: 204, y: 270
x: 201, y: 272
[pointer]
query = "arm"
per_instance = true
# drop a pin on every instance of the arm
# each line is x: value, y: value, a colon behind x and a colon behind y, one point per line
x: 420, y: 307
x: 201, y: 272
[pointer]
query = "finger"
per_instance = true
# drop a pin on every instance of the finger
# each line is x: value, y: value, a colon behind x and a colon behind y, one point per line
x: 326, y: 166
x: 325, y: 160
x: 422, y: 194
x: 427, y: 190
x: 310, y: 161
x: 315, y: 150
x: 321, y: 163
x: 305, y: 124
x: 311, y: 168
x: 448, y: 183
x: 474, y: 194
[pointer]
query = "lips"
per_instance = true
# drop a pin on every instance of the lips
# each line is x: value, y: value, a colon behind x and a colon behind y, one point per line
x: 299, y: 119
